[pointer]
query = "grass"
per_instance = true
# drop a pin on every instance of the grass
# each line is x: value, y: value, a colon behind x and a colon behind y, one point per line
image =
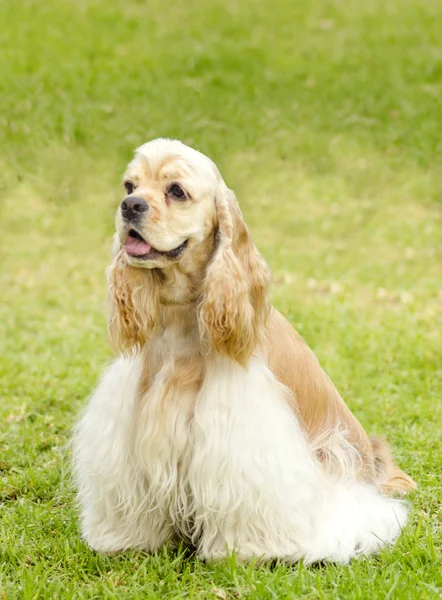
x: 325, y: 117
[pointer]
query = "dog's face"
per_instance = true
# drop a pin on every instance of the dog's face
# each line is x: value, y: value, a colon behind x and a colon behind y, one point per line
x: 170, y: 204
x: 181, y: 224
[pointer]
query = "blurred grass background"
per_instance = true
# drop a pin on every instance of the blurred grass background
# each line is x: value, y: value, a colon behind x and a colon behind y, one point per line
x: 325, y: 116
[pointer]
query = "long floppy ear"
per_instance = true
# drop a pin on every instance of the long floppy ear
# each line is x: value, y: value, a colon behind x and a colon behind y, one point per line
x: 133, y: 304
x: 234, y: 306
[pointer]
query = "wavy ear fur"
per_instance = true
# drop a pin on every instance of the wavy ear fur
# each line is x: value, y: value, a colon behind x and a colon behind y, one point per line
x: 234, y: 305
x: 133, y: 301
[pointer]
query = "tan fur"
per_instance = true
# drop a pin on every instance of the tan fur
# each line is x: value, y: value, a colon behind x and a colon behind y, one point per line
x: 234, y: 303
x: 133, y: 303
x: 323, y: 411
x: 215, y: 298
x: 390, y: 478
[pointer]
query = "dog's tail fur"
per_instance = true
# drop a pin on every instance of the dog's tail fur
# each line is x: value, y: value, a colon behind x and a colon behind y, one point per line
x: 390, y: 478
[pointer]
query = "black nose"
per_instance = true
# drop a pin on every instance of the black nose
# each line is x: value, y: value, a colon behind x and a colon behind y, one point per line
x: 133, y: 207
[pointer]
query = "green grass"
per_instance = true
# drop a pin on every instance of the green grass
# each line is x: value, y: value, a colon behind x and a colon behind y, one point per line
x: 325, y: 117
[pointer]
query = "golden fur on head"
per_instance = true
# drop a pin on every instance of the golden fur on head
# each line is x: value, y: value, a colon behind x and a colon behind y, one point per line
x: 234, y: 304
x: 133, y: 304
x: 220, y: 273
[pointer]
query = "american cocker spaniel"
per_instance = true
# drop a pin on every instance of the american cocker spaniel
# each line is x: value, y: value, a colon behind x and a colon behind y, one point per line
x: 216, y: 425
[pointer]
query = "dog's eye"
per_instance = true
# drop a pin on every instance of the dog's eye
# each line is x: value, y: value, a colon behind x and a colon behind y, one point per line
x: 177, y: 191
x: 129, y: 186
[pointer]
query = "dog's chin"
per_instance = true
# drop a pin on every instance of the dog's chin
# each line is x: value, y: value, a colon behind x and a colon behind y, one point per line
x: 148, y: 263
x: 142, y: 254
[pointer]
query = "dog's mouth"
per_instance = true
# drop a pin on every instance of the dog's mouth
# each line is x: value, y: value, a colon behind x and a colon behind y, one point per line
x: 137, y: 247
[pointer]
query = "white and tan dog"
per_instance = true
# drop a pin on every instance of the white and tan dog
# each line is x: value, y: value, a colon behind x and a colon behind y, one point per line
x: 217, y: 425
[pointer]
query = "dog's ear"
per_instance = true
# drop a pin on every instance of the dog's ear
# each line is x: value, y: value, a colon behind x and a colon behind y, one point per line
x: 133, y: 305
x: 234, y: 304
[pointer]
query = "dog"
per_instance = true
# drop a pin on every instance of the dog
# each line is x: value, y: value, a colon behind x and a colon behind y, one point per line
x: 216, y: 426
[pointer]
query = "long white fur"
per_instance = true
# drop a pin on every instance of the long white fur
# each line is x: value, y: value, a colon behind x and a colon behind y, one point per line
x: 229, y: 468
x: 113, y: 490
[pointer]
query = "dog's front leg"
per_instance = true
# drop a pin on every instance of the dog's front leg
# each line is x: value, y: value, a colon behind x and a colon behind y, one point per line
x: 251, y: 479
x: 113, y: 490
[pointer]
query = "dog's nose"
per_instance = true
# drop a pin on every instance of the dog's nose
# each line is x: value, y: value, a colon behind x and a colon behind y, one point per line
x: 133, y: 207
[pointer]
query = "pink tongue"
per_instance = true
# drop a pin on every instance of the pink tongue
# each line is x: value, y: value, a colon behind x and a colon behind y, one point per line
x: 137, y: 247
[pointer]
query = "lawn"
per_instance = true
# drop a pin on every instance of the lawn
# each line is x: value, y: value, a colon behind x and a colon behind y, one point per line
x: 325, y: 116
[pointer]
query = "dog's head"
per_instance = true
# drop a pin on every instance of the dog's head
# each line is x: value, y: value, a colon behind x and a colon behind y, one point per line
x: 181, y: 239
x: 169, y: 208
